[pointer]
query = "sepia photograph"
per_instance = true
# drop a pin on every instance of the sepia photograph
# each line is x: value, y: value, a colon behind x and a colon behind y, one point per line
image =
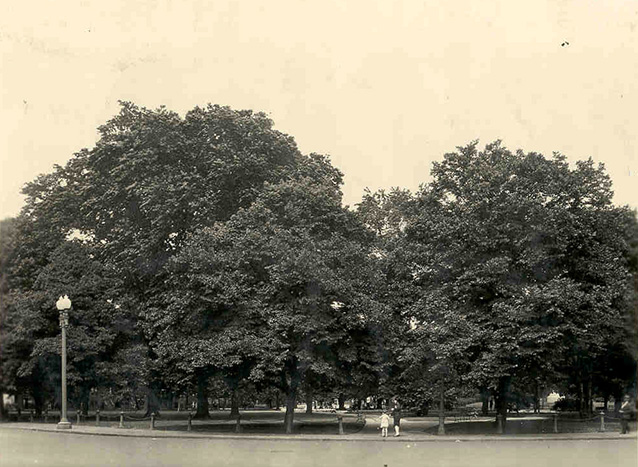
x: 319, y: 233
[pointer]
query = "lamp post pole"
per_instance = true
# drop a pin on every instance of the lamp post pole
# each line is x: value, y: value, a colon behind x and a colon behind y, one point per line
x: 63, y: 305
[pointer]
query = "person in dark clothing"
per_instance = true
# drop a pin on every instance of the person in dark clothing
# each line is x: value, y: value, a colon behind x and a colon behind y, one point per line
x: 396, y: 415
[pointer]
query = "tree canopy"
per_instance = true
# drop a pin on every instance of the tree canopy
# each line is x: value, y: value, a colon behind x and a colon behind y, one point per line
x: 281, y: 284
x: 519, y: 263
x: 209, y: 248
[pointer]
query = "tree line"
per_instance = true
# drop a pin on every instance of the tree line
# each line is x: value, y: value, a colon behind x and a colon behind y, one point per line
x: 206, y: 252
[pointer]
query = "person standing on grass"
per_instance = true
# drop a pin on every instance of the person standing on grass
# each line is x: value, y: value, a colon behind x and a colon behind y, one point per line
x: 385, y: 423
x: 396, y: 415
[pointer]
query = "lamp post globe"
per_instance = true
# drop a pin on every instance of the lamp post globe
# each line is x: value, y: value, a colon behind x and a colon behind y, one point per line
x: 64, y: 305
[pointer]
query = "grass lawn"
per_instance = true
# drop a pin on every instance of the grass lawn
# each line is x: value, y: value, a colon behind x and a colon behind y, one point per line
x: 325, y: 422
x: 220, y: 421
x: 567, y: 423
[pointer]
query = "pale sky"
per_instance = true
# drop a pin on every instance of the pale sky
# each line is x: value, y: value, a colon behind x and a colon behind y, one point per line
x: 384, y: 87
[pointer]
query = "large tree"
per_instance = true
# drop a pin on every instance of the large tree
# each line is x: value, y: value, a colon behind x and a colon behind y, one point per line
x: 7, y: 247
x: 284, y: 283
x: 527, y: 253
x: 30, y: 333
x: 25, y: 251
x: 152, y: 179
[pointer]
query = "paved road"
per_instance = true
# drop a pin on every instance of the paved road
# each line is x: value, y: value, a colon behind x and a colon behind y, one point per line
x: 22, y: 448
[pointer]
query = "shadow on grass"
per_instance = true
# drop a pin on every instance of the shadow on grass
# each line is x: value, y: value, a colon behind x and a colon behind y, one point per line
x: 269, y: 428
x: 252, y: 422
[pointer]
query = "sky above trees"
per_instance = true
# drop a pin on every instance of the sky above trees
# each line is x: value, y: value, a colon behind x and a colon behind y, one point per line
x: 385, y: 88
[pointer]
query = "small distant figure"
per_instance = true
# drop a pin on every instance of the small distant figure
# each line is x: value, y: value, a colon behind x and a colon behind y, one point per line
x: 564, y: 44
x: 626, y: 411
x: 385, y: 423
x: 396, y: 415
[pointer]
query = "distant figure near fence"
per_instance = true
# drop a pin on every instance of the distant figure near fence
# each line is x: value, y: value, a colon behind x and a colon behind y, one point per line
x: 627, y: 410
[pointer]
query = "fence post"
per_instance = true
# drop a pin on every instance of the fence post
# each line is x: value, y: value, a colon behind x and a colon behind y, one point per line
x: 152, y: 420
x: 499, y: 424
x: 190, y: 420
x: 555, y: 423
x: 78, y: 417
x: 31, y: 416
x: 238, y: 425
x: 46, y: 416
x: 340, y: 420
x: 97, y: 417
x: 602, y: 421
x: 121, y: 419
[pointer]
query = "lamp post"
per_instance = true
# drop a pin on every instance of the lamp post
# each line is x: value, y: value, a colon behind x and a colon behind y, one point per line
x: 63, y: 305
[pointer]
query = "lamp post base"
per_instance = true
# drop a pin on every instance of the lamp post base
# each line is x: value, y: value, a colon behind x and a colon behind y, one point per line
x: 64, y: 425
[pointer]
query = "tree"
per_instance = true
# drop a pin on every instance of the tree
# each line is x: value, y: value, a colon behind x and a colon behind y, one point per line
x: 283, y: 280
x: 24, y: 252
x: 98, y: 327
x: 529, y: 255
x: 386, y: 214
x: 7, y: 247
x: 152, y: 179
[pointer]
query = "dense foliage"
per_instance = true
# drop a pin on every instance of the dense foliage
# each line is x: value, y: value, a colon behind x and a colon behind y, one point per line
x: 208, y: 250
x: 513, y: 270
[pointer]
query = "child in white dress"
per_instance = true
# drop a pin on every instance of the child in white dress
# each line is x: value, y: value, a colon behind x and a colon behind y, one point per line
x: 385, y: 423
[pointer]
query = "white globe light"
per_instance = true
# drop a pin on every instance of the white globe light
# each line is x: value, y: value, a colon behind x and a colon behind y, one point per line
x: 63, y: 303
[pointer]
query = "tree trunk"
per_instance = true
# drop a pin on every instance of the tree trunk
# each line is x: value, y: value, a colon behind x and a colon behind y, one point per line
x: 85, y: 399
x: 234, y: 403
x: 441, y: 412
x: 291, y: 402
x: 293, y: 380
x: 581, y: 398
x: 308, y: 400
x: 38, y: 401
x: 537, y: 397
x: 4, y: 415
x: 277, y: 401
x: 152, y: 403
x: 18, y: 404
x: 485, y: 399
x: 501, y: 399
x: 202, y: 398
x: 342, y: 401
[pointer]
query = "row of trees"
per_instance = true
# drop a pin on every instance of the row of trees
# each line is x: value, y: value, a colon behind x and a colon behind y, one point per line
x: 208, y: 248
